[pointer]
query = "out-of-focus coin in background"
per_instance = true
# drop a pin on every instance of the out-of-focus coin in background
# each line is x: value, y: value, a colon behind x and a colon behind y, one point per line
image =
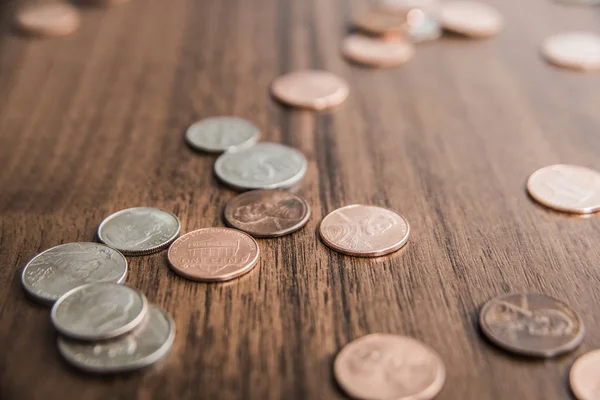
x: 470, y: 18
x: 312, y: 89
x: 382, y: 23
x: 219, y: 134
x: 585, y: 376
x: 405, y: 6
x: 377, y: 52
x: 48, y: 19
x: 573, y: 50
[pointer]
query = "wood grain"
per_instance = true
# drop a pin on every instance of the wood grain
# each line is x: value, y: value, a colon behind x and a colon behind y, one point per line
x: 94, y: 122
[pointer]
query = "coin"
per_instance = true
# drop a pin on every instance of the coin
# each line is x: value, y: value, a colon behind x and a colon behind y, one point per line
x: 311, y: 89
x: 220, y: 134
x: 585, y: 376
x: 384, y: 366
x: 367, y: 231
x: 263, y: 166
x: 574, y: 50
x: 213, y: 254
x: 429, y: 29
x: 56, y: 271
x: 140, y: 230
x: 48, y: 19
x: 145, y: 345
x: 568, y: 188
x: 531, y: 324
x: 469, y: 18
x: 98, y: 311
x: 404, y: 6
x: 267, y: 213
x: 377, y: 52
x: 380, y: 22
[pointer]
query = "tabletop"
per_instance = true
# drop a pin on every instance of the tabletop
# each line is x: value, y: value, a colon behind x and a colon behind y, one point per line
x: 94, y: 123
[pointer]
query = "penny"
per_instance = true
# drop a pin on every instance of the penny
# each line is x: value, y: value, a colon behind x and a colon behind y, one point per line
x: 384, y: 366
x: 567, y: 188
x: 267, y: 213
x: 219, y: 134
x: 367, y: 231
x: 140, y: 230
x: 380, y: 22
x: 145, y: 345
x: 531, y: 324
x: 262, y: 166
x: 574, y: 50
x: 213, y: 254
x: 311, y: 89
x: 54, y: 272
x: 585, y: 376
x: 48, y: 19
x: 469, y: 18
x: 377, y: 52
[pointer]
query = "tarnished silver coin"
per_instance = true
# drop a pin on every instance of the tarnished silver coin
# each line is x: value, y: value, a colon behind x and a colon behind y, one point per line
x: 55, y: 271
x: 140, y: 230
x: 219, y: 134
x: 99, y: 311
x: 263, y: 166
x: 147, y: 344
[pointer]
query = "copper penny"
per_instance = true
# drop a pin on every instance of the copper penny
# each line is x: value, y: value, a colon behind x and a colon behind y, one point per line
x: 574, y: 50
x: 48, y: 19
x: 383, y: 366
x: 568, y: 188
x: 367, y: 231
x: 213, y: 254
x: 267, y: 213
x: 376, y: 52
x: 311, y: 89
x: 470, y: 18
x: 531, y: 324
x: 585, y: 376
x: 380, y: 22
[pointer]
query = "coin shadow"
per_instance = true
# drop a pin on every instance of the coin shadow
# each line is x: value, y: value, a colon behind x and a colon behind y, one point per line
x: 457, y: 37
x: 558, y: 213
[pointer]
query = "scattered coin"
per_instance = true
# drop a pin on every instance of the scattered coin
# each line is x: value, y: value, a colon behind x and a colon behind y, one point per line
x: 219, y: 134
x: 48, y: 19
x: 145, y: 345
x: 54, y: 272
x: 139, y: 231
x: 213, y: 254
x: 585, y: 376
x: 574, y: 50
x: 311, y: 89
x: 469, y: 18
x: 262, y: 166
x: 531, y: 324
x: 384, y: 366
x: 377, y: 52
x: 367, y: 231
x: 568, y: 188
x: 267, y: 213
x: 427, y: 30
x: 379, y: 22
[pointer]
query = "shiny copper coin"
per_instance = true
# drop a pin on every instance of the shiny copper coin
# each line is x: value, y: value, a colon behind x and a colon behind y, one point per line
x: 377, y: 52
x: 381, y: 23
x: 568, y: 188
x: 384, y: 366
x: 366, y: 231
x: 531, y: 324
x: 574, y: 50
x: 311, y: 89
x: 585, y: 376
x: 470, y: 18
x: 213, y: 254
x: 267, y: 213
x: 48, y: 19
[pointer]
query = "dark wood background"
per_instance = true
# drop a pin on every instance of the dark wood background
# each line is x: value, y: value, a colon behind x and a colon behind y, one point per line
x: 93, y: 123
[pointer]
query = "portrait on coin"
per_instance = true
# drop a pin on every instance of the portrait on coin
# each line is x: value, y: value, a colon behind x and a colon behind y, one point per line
x: 135, y: 228
x: 289, y: 209
x: 355, y: 234
x: 105, y: 309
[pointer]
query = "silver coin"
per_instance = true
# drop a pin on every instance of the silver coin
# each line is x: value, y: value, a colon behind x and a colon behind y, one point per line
x: 140, y: 230
x: 428, y: 29
x: 54, y: 272
x: 219, y: 134
x: 263, y: 166
x: 99, y: 311
x: 151, y: 341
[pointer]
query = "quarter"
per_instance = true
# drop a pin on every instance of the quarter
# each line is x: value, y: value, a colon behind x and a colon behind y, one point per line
x: 585, y: 376
x: 574, y: 50
x: 219, y: 134
x: 312, y: 89
x: 470, y: 18
x: 377, y: 52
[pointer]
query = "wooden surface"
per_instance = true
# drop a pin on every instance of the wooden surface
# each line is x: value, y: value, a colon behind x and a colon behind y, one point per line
x: 93, y: 123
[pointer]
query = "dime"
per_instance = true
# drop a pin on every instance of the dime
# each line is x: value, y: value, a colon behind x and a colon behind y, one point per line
x: 140, y: 230
x: 531, y: 324
x: 48, y: 19
x: 380, y: 22
x: 367, y: 231
x: 263, y: 166
x: 213, y: 254
x: 568, y: 188
x: 377, y: 52
x: 56, y: 271
x: 148, y: 343
x: 574, y: 50
x: 220, y: 134
x: 98, y: 311
x: 311, y: 89
x: 585, y: 376
x: 384, y: 366
x: 469, y: 18
x: 267, y: 213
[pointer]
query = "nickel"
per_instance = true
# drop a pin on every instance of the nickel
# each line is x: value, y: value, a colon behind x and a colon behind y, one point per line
x: 573, y: 50
x: 470, y: 18
x: 585, y: 376
x: 313, y: 89
x: 219, y: 134
x: 377, y: 52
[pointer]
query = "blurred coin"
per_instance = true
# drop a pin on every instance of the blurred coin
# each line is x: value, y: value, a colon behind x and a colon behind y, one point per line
x: 145, y: 345
x: 267, y: 213
x: 219, y: 134
x: 48, y: 19
x: 469, y: 18
x: 367, y: 231
x: 380, y: 22
x: 429, y: 29
x: 574, y: 50
x: 585, y: 376
x: 531, y: 324
x: 383, y: 366
x: 568, y: 188
x: 105, y: 3
x: 580, y: 2
x: 213, y: 254
x: 56, y: 271
x: 311, y: 89
x: 98, y: 311
x: 139, y: 231
x: 377, y: 52
x: 405, y: 6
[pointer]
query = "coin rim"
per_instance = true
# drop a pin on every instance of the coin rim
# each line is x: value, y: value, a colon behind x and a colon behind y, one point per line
x: 575, y: 387
x: 319, y: 104
x: 213, y: 150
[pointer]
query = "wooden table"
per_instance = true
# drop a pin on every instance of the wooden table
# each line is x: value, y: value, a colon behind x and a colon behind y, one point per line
x: 93, y: 123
